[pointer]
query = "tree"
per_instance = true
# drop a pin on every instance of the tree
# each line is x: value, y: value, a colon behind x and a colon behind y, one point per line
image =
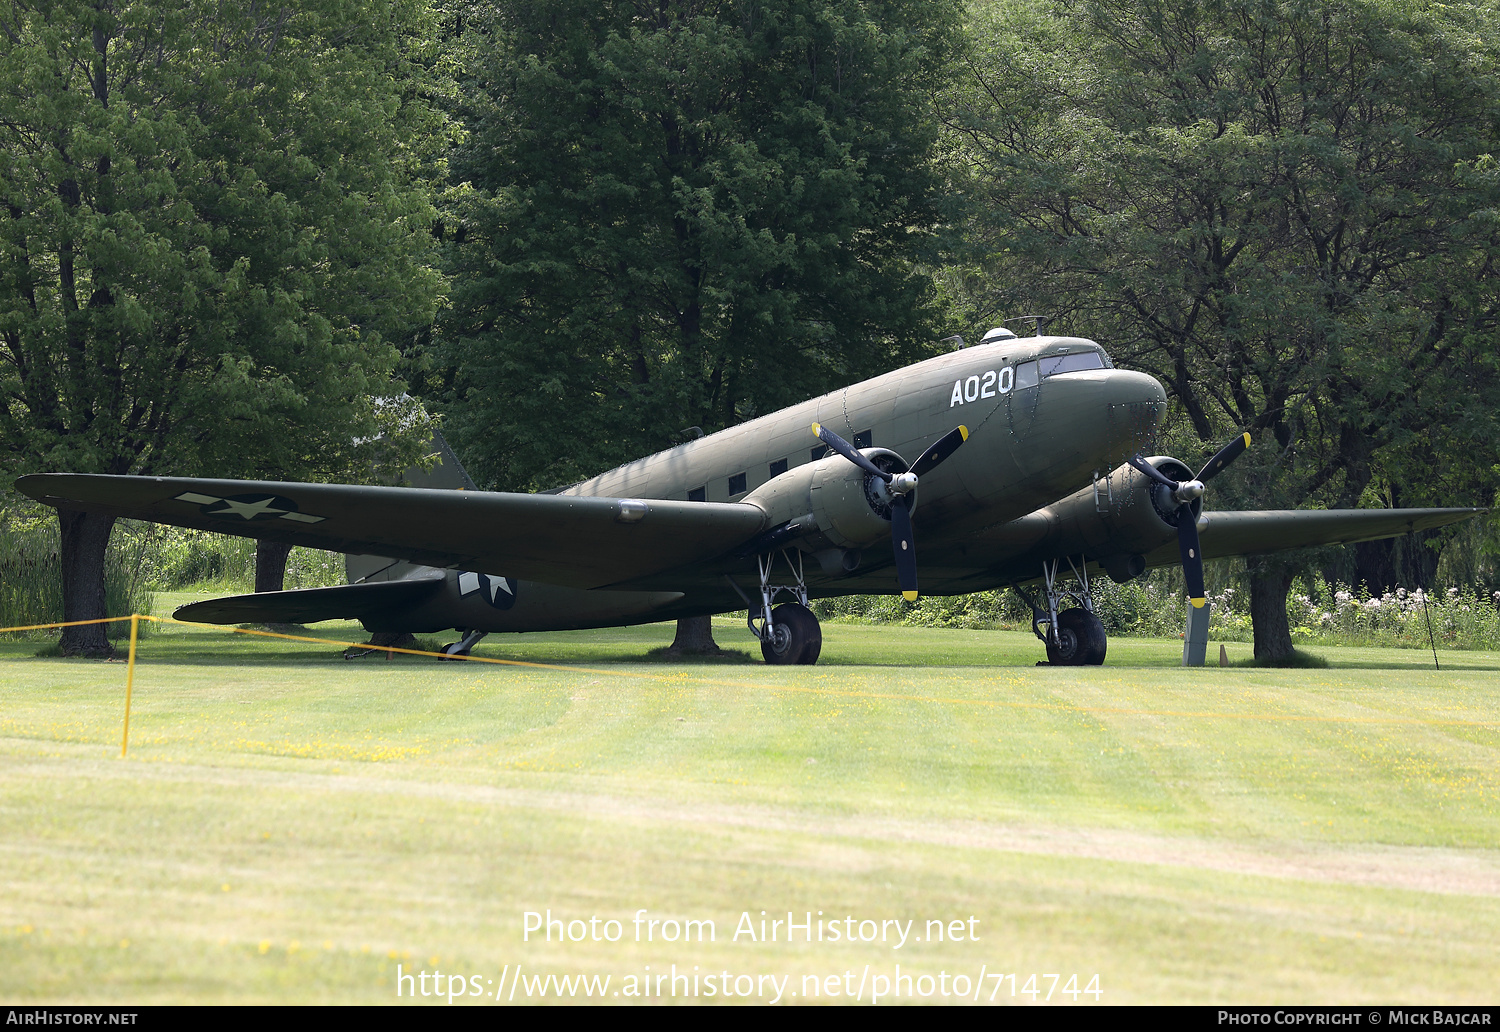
x: 1276, y: 206
x: 683, y: 213
x: 214, y: 231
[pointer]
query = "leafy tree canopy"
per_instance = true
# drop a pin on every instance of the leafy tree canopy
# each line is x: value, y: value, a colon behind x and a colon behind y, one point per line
x: 210, y: 233
x: 1282, y: 208
x: 686, y: 212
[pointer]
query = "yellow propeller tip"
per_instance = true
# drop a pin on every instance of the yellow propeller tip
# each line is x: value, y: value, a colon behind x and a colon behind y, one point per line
x: 963, y: 431
x: 1247, y: 440
x: 817, y: 427
x: 1198, y: 603
x: 910, y: 596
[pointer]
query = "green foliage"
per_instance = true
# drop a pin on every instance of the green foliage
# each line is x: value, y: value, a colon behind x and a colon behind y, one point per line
x: 213, y: 234
x: 1283, y: 209
x: 142, y: 559
x: 31, y: 581
x: 1155, y: 607
x: 175, y: 559
x: 686, y: 215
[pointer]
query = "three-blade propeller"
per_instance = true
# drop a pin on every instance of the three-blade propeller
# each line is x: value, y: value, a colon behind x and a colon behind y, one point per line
x: 900, y: 486
x: 1184, y: 493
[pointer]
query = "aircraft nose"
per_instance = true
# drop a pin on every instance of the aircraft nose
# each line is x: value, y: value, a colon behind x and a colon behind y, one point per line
x: 1136, y: 403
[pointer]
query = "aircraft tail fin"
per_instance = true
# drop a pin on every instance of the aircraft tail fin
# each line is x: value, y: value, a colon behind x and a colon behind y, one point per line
x: 446, y: 474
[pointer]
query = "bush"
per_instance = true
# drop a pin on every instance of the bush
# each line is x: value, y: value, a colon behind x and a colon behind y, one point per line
x: 1324, y: 614
x: 143, y: 558
x: 31, y: 577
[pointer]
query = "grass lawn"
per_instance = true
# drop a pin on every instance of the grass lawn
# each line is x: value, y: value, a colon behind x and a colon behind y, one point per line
x: 290, y: 827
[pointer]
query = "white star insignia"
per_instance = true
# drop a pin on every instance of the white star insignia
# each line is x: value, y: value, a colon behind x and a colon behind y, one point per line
x: 250, y: 510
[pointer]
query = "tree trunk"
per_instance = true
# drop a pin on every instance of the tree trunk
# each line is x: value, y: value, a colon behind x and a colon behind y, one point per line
x: 85, y: 539
x: 270, y: 565
x: 695, y: 637
x: 1269, y: 584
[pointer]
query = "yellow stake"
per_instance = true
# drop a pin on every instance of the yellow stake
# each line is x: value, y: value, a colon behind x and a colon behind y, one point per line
x: 135, y: 622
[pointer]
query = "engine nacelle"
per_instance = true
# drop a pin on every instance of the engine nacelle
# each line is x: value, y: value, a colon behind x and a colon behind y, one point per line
x: 851, y: 507
x: 1115, y: 521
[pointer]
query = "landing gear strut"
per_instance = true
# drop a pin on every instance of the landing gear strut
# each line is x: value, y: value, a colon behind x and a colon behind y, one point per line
x: 789, y: 634
x: 1073, y: 636
x: 464, y: 645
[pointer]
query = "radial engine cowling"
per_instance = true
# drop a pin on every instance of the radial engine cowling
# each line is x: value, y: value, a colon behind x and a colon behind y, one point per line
x: 852, y: 508
x: 1114, y: 521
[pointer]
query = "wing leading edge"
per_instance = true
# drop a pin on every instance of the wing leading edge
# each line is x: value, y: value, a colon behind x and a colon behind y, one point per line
x: 1231, y: 534
x: 582, y: 542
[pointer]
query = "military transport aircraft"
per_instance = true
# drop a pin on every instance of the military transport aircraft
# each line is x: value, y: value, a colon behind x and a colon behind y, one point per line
x: 1027, y: 471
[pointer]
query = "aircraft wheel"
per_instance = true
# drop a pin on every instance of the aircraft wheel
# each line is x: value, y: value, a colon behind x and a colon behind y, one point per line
x: 453, y: 650
x: 1081, y: 638
x: 796, y: 636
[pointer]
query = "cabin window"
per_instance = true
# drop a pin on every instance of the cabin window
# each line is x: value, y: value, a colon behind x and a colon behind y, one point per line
x: 737, y: 484
x: 818, y: 452
x: 698, y: 494
x: 1026, y: 375
x: 778, y: 467
x: 863, y: 439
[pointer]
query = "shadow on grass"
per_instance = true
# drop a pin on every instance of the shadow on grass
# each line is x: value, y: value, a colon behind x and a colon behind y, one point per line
x: 1297, y: 660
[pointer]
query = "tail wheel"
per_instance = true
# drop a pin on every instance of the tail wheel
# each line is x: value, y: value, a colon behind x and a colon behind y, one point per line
x: 1081, y: 640
x: 796, y: 636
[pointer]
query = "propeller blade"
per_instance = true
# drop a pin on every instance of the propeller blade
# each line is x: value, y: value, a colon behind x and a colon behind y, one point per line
x: 905, y: 547
x: 1192, y: 555
x: 946, y: 446
x: 1151, y: 471
x: 848, y: 451
x: 1227, y: 454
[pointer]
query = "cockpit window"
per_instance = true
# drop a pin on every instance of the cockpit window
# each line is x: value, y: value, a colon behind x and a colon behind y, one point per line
x: 1029, y: 374
x: 1054, y: 364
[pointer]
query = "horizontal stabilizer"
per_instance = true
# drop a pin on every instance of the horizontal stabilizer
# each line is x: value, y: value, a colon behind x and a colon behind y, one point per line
x: 309, y: 605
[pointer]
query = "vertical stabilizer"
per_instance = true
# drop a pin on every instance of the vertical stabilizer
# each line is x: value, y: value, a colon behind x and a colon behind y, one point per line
x: 447, y: 473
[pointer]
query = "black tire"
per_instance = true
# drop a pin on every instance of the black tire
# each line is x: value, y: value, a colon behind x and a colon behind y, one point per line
x: 796, y: 636
x: 1081, y: 639
x: 452, y: 651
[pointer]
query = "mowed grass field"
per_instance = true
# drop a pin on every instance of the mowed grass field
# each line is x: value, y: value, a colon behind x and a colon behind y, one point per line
x: 289, y: 827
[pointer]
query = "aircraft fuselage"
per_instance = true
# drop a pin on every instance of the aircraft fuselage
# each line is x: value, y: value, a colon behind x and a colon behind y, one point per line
x: 1045, y: 415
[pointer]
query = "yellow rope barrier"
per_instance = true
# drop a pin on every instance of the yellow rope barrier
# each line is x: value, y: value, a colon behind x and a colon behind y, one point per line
x: 135, y: 624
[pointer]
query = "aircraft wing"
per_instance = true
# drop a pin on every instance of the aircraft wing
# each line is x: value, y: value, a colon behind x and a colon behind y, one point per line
x: 1276, y: 530
x: 575, y: 541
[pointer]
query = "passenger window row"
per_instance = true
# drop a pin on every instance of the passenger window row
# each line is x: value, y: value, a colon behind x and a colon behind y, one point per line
x: 737, y: 481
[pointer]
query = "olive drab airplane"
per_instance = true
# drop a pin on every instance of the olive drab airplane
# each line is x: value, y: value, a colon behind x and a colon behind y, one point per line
x: 1018, y: 462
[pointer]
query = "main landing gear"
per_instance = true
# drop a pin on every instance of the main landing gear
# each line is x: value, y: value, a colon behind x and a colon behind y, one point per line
x: 463, y: 646
x: 789, y: 633
x: 1073, y: 636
